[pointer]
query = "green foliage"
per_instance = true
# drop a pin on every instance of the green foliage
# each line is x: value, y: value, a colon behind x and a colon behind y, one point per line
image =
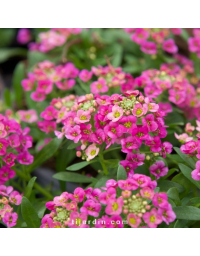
x: 73, y: 177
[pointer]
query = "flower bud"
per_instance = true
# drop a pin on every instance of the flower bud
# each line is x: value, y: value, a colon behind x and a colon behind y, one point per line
x: 148, y: 157
x: 78, y: 153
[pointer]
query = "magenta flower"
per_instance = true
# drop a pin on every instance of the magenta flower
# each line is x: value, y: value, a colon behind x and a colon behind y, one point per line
x: 128, y: 184
x: 114, y: 130
x: 152, y: 218
x: 170, y: 46
x: 38, y: 96
x: 77, y: 220
x: 78, y: 195
x: 166, y: 107
x: 141, y: 180
x: 194, y: 44
x: 10, y: 219
x: 49, y: 113
x: 133, y: 220
x: 116, y: 113
x: 160, y: 200
x: 168, y: 214
x: 104, y: 196
x: 6, y: 173
x: 114, y: 206
x: 73, y: 134
x: 99, y: 86
x: 9, y: 159
x: 189, y: 147
x: 128, y: 166
x: 13, y: 141
x: 129, y: 123
x: 28, y: 116
x: 85, y: 75
x: 136, y: 158
x: 91, y: 208
x: 149, y: 47
x: 158, y: 169
x: 147, y: 193
x: 152, y: 107
x: 92, y: 151
x: 82, y: 116
x: 23, y: 36
x: 129, y: 143
x: 149, y: 121
x: 15, y: 198
x: 166, y: 148
x: 140, y: 36
x: 25, y: 158
x: 47, y: 126
x: 115, y: 222
x: 139, y: 110
x: 3, y: 146
x: 154, y: 143
x: 196, y: 173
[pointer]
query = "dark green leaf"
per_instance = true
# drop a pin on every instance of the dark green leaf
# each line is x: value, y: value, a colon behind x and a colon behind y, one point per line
x: 78, y: 166
x: 73, y: 177
x: 187, y: 212
x: 18, y: 76
x: 6, y: 53
x: 121, y: 173
x: 46, y: 152
x: 111, y: 163
x: 29, y: 214
x: 7, y: 97
x: 165, y: 185
x: 195, y: 200
x: 29, y: 187
x: 74, y: 145
x: 173, y: 194
x: 102, y: 182
x: 186, y: 158
x: 187, y: 173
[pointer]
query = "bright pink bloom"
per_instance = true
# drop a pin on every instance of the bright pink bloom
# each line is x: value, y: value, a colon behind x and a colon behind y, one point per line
x: 116, y: 113
x: 152, y: 107
x: 114, y: 130
x: 196, y: 173
x: 78, y: 195
x: 194, y: 44
x: 149, y: 47
x: 170, y: 46
x: 139, y: 110
x: 85, y: 75
x: 3, y: 146
x: 91, y: 208
x: 15, y: 198
x: 166, y: 107
x: 24, y: 36
x: 49, y: 113
x: 152, y: 218
x: 92, y: 151
x: 168, y: 214
x: 140, y: 36
x: 38, y: 96
x: 146, y: 192
x: 9, y: 159
x: 129, y: 143
x: 28, y: 116
x: 149, y: 121
x: 25, y: 158
x: 133, y: 220
x: 104, y: 196
x: 158, y: 169
x: 47, y: 126
x: 82, y: 116
x: 128, y: 184
x: 166, y: 148
x: 6, y: 173
x: 114, y: 206
x: 184, y: 137
x: 129, y: 123
x: 10, y: 219
x: 160, y: 200
x: 116, y: 222
x: 99, y: 86
x: 77, y: 220
x: 73, y: 134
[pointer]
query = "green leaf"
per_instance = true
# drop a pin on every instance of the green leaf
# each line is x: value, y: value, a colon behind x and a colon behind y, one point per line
x: 102, y: 182
x: 165, y: 185
x: 18, y: 76
x: 187, y: 173
x: 187, y: 212
x: 29, y: 187
x: 73, y: 177
x: 29, y: 214
x: 174, y: 119
x: 117, y: 58
x: 78, y: 166
x: 121, y: 173
x: 180, y: 223
x: 74, y: 145
x: 40, y: 207
x: 6, y: 53
x: 195, y: 200
x: 173, y: 194
x: 46, y: 152
x: 185, y: 34
x: 7, y: 97
x: 111, y: 163
x: 185, y: 157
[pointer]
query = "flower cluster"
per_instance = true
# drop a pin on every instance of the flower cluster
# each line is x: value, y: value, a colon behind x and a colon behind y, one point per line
x: 107, y: 77
x: 151, y: 39
x: 170, y: 80
x: 9, y: 197
x: 53, y: 38
x: 45, y: 75
x: 100, y: 121
x: 138, y: 206
x: 194, y: 42
x: 14, y: 145
x: 27, y: 116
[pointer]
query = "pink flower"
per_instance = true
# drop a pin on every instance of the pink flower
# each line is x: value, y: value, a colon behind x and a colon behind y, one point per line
x: 198, y: 126
x: 129, y: 123
x: 194, y: 44
x: 3, y: 132
x: 104, y: 196
x: 85, y: 75
x: 10, y: 219
x: 152, y: 107
x: 183, y: 137
x: 128, y: 166
x: 28, y: 83
x: 136, y: 158
x: 154, y: 143
x: 94, y: 195
x: 6, y: 173
x: 170, y: 46
x: 77, y: 220
x: 25, y: 158
x: 38, y: 96
x: 196, y: 173
x: 99, y: 86
x: 147, y: 193
x: 129, y: 143
x: 133, y: 220
x: 140, y: 36
x: 9, y: 159
x: 160, y: 200
x: 141, y: 180
x: 23, y: 36
x: 116, y: 113
x: 148, y: 121
x: 152, y: 218
x: 73, y: 133
x: 47, y: 126
x: 66, y: 85
x: 114, y: 206
x: 139, y: 110
x: 189, y: 147
x: 3, y: 146
x: 166, y: 148
x: 91, y: 208
x: 92, y: 151
x: 15, y: 198
x: 114, y: 130
x: 168, y: 214
x: 128, y: 184
x: 28, y: 116
x: 158, y: 169
x: 78, y: 195
x: 82, y: 116
x: 149, y: 47
x: 189, y: 127
x: 49, y: 113
x: 166, y: 107
x: 116, y: 222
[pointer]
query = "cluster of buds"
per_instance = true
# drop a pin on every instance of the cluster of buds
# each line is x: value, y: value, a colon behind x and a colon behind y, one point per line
x: 53, y: 38
x: 138, y: 206
x: 41, y: 81
x: 8, y: 197
x: 153, y: 39
x: 107, y: 77
x: 14, y: 145
x: 170, y: 80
